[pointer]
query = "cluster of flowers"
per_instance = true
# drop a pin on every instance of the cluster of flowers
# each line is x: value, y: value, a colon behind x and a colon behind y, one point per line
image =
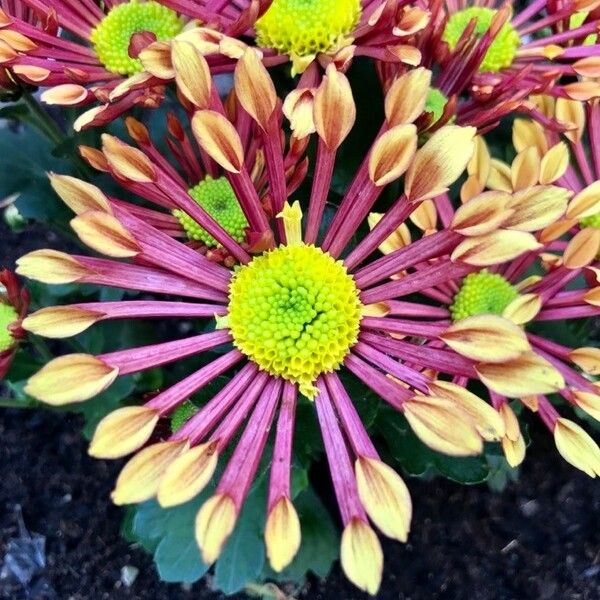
x: 442, y: 290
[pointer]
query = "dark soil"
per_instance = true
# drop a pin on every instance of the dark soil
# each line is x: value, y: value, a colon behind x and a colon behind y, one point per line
x: 539, y: 539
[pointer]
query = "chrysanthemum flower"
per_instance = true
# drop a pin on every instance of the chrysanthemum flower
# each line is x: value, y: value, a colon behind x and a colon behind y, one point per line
x: 576, y: 163
x: 306, y: 30
x: 521, y: 283
x: 500, y: 55
x: 287, y: 320
x: 14, y: 301
x: 103, y: 53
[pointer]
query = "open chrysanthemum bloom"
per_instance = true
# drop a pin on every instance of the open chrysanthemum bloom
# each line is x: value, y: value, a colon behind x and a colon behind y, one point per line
x: 285, y: 322
x: 499, y: 55
x: 327, y: 30
x: 81, y: 52
x: 14, y: 301
x: 519, y: 284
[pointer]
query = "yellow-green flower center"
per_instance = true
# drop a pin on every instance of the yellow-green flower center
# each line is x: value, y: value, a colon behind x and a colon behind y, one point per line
x: 591, y: 221
x: 502, y: 51
x: 217, y: 198
x: 295, y: 312
x: 8, y: 315
x: 306, y: 27
x: 482, y: 293
x: 435, y: 103
x: 576, y: 20
x: 112, y: 37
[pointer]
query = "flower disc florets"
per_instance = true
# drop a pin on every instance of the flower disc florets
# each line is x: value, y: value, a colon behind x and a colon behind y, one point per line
x: 217, y: 198
x: 8, y: 315
x: 482, y: 293
x: 306, y: 27
x: 295, y: 312
x: 111, y: 38
x: 502, y: 51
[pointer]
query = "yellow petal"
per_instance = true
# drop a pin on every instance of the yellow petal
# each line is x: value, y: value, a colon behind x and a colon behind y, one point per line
x: 482, y: 214
x: 123, y: 431
x: 219, y: 138
x: 586, y: 203
x: 298, y: 108
x: 191, y: 73
x: 529, y: 374
x: 334, y: 108
x: 392, y: 153
x: 486, y: 419
x: 156, y: 59
x: 588, y: 402
x: 528, y: 133
x: 425, y: 216
x: 79, y: 195
x: 67, y: 94
x: 282, y: 534
x: 60, y: 321
x: 514, y: 451
x: 105, y: 234
x: 486, y: 338
x: 214, y: 523
x: 128, y: 162
x: 494, y: 248
x: 582, y: 249
x: 587, y: 359
x: 71, y: 378
x: 480, y: 164
x: 523, y: 309
x: 525, y: 169
x: 140, y: 477
x: 400, y: 238
x: 499, y: 178
x: 439, y: 163
x: 384, y: 496
x: 577, y: 447
x: 188, y: 475
x: 50, y: 266
x: 406, y: 98
x: 536, y: 207
x: 554, y: 163
x: 254, y: 88
x: 572, y: 114
x: 443, y: 426
x: 361, y: 556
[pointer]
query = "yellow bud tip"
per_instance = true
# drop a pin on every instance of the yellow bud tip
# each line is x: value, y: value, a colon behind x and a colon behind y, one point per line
x: 282, y: 534
x: 60, y: 321
x: 123, y: 431
x: 214, y: 523
x: 292, y: 222
x: 141, y: 476
x: 385, y: 497
x: 486, y: 419
x: 71, y: 378
x: 577, y: 447
x: 188, y: 475
x: 361, y: 556
x: 443, y: 426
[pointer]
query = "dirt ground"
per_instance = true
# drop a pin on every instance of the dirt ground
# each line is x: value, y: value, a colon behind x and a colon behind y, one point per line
x: 539, y: 539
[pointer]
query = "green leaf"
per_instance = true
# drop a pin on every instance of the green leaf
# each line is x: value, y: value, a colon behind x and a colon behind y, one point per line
x: 26, y: 156
x: 169, y: 534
